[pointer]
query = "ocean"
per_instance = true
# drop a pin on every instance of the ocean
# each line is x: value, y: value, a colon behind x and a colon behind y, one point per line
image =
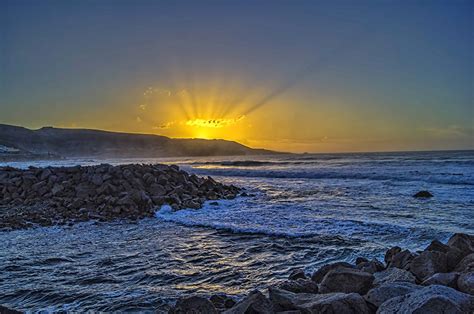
x: 301, y: 211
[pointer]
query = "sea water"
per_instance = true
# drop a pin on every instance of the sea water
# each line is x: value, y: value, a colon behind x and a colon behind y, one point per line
x: 301, y: 211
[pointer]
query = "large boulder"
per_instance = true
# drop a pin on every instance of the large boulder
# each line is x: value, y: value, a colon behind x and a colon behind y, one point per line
x: 443, y: 279
x: 331, y: 303
x: 423, y: 194
x: 386, y: 291
x: 466, y: 264
x: 297, y: 274
x: 466, y: 282
x: 432, y: 299
x: 194, y: 305
x: 402, y: 260
x: 463, y: 242
x: 346, y: 280
x: 299, y: 286
x: 391, y: 253
x: 453, y: 254
x: 428, y: 263
x: 222, y: 301
x: 372, y: 266
x: 255, y: 303
x: 320, y: 273
x: 393, y: 275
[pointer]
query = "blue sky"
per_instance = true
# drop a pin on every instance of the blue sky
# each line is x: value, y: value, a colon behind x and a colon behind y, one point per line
x: 305, y: 75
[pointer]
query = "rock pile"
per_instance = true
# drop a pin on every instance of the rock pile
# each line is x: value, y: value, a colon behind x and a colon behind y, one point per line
x: 60, y: 195
x: 440, y: 279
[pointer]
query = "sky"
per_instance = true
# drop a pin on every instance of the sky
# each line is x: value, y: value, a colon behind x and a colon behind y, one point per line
x: 297, y: 76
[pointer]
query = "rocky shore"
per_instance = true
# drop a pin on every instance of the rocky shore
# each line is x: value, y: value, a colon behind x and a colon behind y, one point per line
x: 65, y: 195
x: 439, y: 279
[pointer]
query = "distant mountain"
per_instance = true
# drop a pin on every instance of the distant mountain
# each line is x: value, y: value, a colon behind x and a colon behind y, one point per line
x: 96, y: 143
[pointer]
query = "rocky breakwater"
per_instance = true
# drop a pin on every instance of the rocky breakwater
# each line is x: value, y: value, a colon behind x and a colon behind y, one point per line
x: 64, y: 195
x: 439, y: 279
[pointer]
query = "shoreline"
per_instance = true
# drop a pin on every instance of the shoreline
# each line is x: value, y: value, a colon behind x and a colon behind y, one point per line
x: 439, y: 279
x: 66, y: 195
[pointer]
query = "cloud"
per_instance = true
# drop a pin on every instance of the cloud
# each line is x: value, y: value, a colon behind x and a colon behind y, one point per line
x: 163, y: 126
x: 214, y: 123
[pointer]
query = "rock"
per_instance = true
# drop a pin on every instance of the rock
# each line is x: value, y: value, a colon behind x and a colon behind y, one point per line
x: 466, y: 264
x: 402, y: 260
x: 436, y: 245
x: 194, y: 305
x: 427, y: 264
x: 346, y: 280
x: 465, y: 282
x: 321, y: 272
x: 361, y: 260
x: 57, y: 189
x: 372, y: 266
x: 255, y: 303
x: 391, y: 253
x: 432, y: 299
x: 56, y: 194
x: 453, y: 254
x: 393, y: 275
x: 222, y: 301
x: 386, y: 291
x: 299, y: 286
x: 463, y: 242
x: 318, y: 303
x: 45, y: 174
x: 443, y: 279
x: 297, y: 274
x: 423, y: 194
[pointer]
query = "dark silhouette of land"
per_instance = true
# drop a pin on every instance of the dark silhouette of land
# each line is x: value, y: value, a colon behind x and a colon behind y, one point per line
x: 49, y: 142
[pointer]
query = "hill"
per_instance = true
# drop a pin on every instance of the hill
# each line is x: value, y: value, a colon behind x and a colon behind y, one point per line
x: 50, y: 141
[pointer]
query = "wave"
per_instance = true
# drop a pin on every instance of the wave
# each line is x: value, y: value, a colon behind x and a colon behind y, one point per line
x: 454, y: 178
x: 241, y: 163
x: 332, y: 230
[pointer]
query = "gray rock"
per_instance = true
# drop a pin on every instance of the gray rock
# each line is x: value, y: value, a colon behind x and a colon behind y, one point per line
x: 255, y: 303
x: 443, y: 279
x: 393, y: 275
x: 432, y: 299
x: 463, y: 242
x: 299, y: 286
x: 372, y: 266
x: 194, y: 305
x: 360, y: 260
x: 45, y: 174
x: 346, y: 280
x: 222, y: 301
x: 321, y: 272
x: 428, y: 263
x: 57, y: 188
x: 333, y: 303
x: 466, y: 264
x: 466, y: 282
x: 402, y: 260
x: 423, y: 194
x: 297, y: 274
x: 386, y: 291
x: 391, y: 253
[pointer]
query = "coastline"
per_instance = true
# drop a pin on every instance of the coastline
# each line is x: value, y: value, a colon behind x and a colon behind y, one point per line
x: 66, y: 195
x: 439, y: 279
x: 302, y: 292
